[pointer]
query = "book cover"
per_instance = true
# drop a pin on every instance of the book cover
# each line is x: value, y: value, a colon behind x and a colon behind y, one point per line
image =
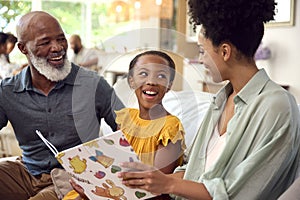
x: 93, y: 165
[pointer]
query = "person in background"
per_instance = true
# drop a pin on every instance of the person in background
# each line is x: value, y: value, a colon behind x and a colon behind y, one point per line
x: 248, y: 144
x: 62, y: 100
x: 3, y: 49
x: 11, y: 43
x: 7, y: 67
x: 80, y: 55
x: 3, y: 39
x: 13, y: 68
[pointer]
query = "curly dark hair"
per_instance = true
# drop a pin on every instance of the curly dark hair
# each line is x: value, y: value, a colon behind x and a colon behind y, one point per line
x: 157, y: 53
x: 3, y: 38
x: 240, y: 22
x: 12, y: 38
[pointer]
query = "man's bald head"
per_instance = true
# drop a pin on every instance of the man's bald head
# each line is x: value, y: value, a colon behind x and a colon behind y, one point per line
x: 31, y: 22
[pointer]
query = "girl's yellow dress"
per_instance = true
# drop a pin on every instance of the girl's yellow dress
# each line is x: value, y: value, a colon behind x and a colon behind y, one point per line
x: 145, y: 135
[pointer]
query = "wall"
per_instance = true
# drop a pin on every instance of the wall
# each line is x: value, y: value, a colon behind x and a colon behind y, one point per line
x: 283, y: 66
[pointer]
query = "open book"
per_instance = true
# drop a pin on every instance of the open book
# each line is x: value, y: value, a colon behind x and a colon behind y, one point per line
x: 93, y: 165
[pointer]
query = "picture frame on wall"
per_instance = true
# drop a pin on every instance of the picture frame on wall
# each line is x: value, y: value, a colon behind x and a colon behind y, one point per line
x: 284, y: 14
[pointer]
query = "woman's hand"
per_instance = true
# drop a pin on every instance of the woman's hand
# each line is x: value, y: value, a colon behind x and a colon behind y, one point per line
x: 145, y: 177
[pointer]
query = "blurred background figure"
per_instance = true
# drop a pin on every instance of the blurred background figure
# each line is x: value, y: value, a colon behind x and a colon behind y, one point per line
x: 82, y: 56
x: 6, y: 68
x: 10, y: 44
x: 3, y: 47
x: 3, y: 38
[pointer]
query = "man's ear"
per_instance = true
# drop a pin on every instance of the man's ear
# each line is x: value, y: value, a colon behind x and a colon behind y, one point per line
x: 22, y: 48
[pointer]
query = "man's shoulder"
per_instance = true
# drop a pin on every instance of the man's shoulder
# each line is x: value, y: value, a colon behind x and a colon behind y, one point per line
x: 88, y: 76
x: 11, y: 81
x: 9, y: 85
x: 83, y: 72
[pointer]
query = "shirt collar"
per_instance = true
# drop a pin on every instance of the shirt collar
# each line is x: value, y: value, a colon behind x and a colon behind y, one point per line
x: 254, y: 87
x: 25, y: 82
x: 219, y: 98
x: 248, y: 92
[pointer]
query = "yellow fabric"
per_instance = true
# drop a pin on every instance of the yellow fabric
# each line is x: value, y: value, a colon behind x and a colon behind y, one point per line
x: 72, y: 195
x: 145, y: 135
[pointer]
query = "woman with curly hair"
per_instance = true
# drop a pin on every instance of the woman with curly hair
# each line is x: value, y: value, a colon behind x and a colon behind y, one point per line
x: 248, y: 144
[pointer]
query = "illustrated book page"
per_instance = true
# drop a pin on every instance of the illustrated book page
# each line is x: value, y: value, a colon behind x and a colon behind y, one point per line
x: 93, y: 165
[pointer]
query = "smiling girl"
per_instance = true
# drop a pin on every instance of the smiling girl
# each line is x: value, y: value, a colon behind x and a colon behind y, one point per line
x: 155, y: 135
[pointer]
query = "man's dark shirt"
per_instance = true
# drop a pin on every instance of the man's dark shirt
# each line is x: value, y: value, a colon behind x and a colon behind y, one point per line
x: 68, y: 116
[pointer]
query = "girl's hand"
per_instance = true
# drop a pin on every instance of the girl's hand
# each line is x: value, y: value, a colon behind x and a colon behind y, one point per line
x: 145, y: 177
x: 78, y: 189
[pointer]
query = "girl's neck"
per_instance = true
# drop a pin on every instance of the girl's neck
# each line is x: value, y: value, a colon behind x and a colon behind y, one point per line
x: 155, y: 112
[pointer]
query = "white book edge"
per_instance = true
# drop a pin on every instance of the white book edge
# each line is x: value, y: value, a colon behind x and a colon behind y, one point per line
x: 48, y: 144
x: 56, y: 154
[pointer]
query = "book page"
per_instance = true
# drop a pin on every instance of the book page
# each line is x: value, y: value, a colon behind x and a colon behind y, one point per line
x: 93, y: 165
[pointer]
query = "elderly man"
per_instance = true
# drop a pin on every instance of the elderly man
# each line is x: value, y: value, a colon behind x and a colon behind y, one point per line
x: 63, y: 101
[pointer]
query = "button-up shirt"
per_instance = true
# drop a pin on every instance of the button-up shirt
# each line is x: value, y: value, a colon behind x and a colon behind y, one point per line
x: 260, y: 158
x: 69, y: 115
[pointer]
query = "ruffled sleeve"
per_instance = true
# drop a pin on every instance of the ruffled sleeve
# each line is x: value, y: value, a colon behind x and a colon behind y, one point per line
x: 172, y: 131
x: 146, y: 135
x: 121, y: 115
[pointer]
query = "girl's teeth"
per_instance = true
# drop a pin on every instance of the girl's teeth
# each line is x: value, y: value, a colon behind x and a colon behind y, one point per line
x: 150, y: 92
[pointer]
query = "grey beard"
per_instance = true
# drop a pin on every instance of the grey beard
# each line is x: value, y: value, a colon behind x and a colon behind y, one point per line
x: 51, y: 73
